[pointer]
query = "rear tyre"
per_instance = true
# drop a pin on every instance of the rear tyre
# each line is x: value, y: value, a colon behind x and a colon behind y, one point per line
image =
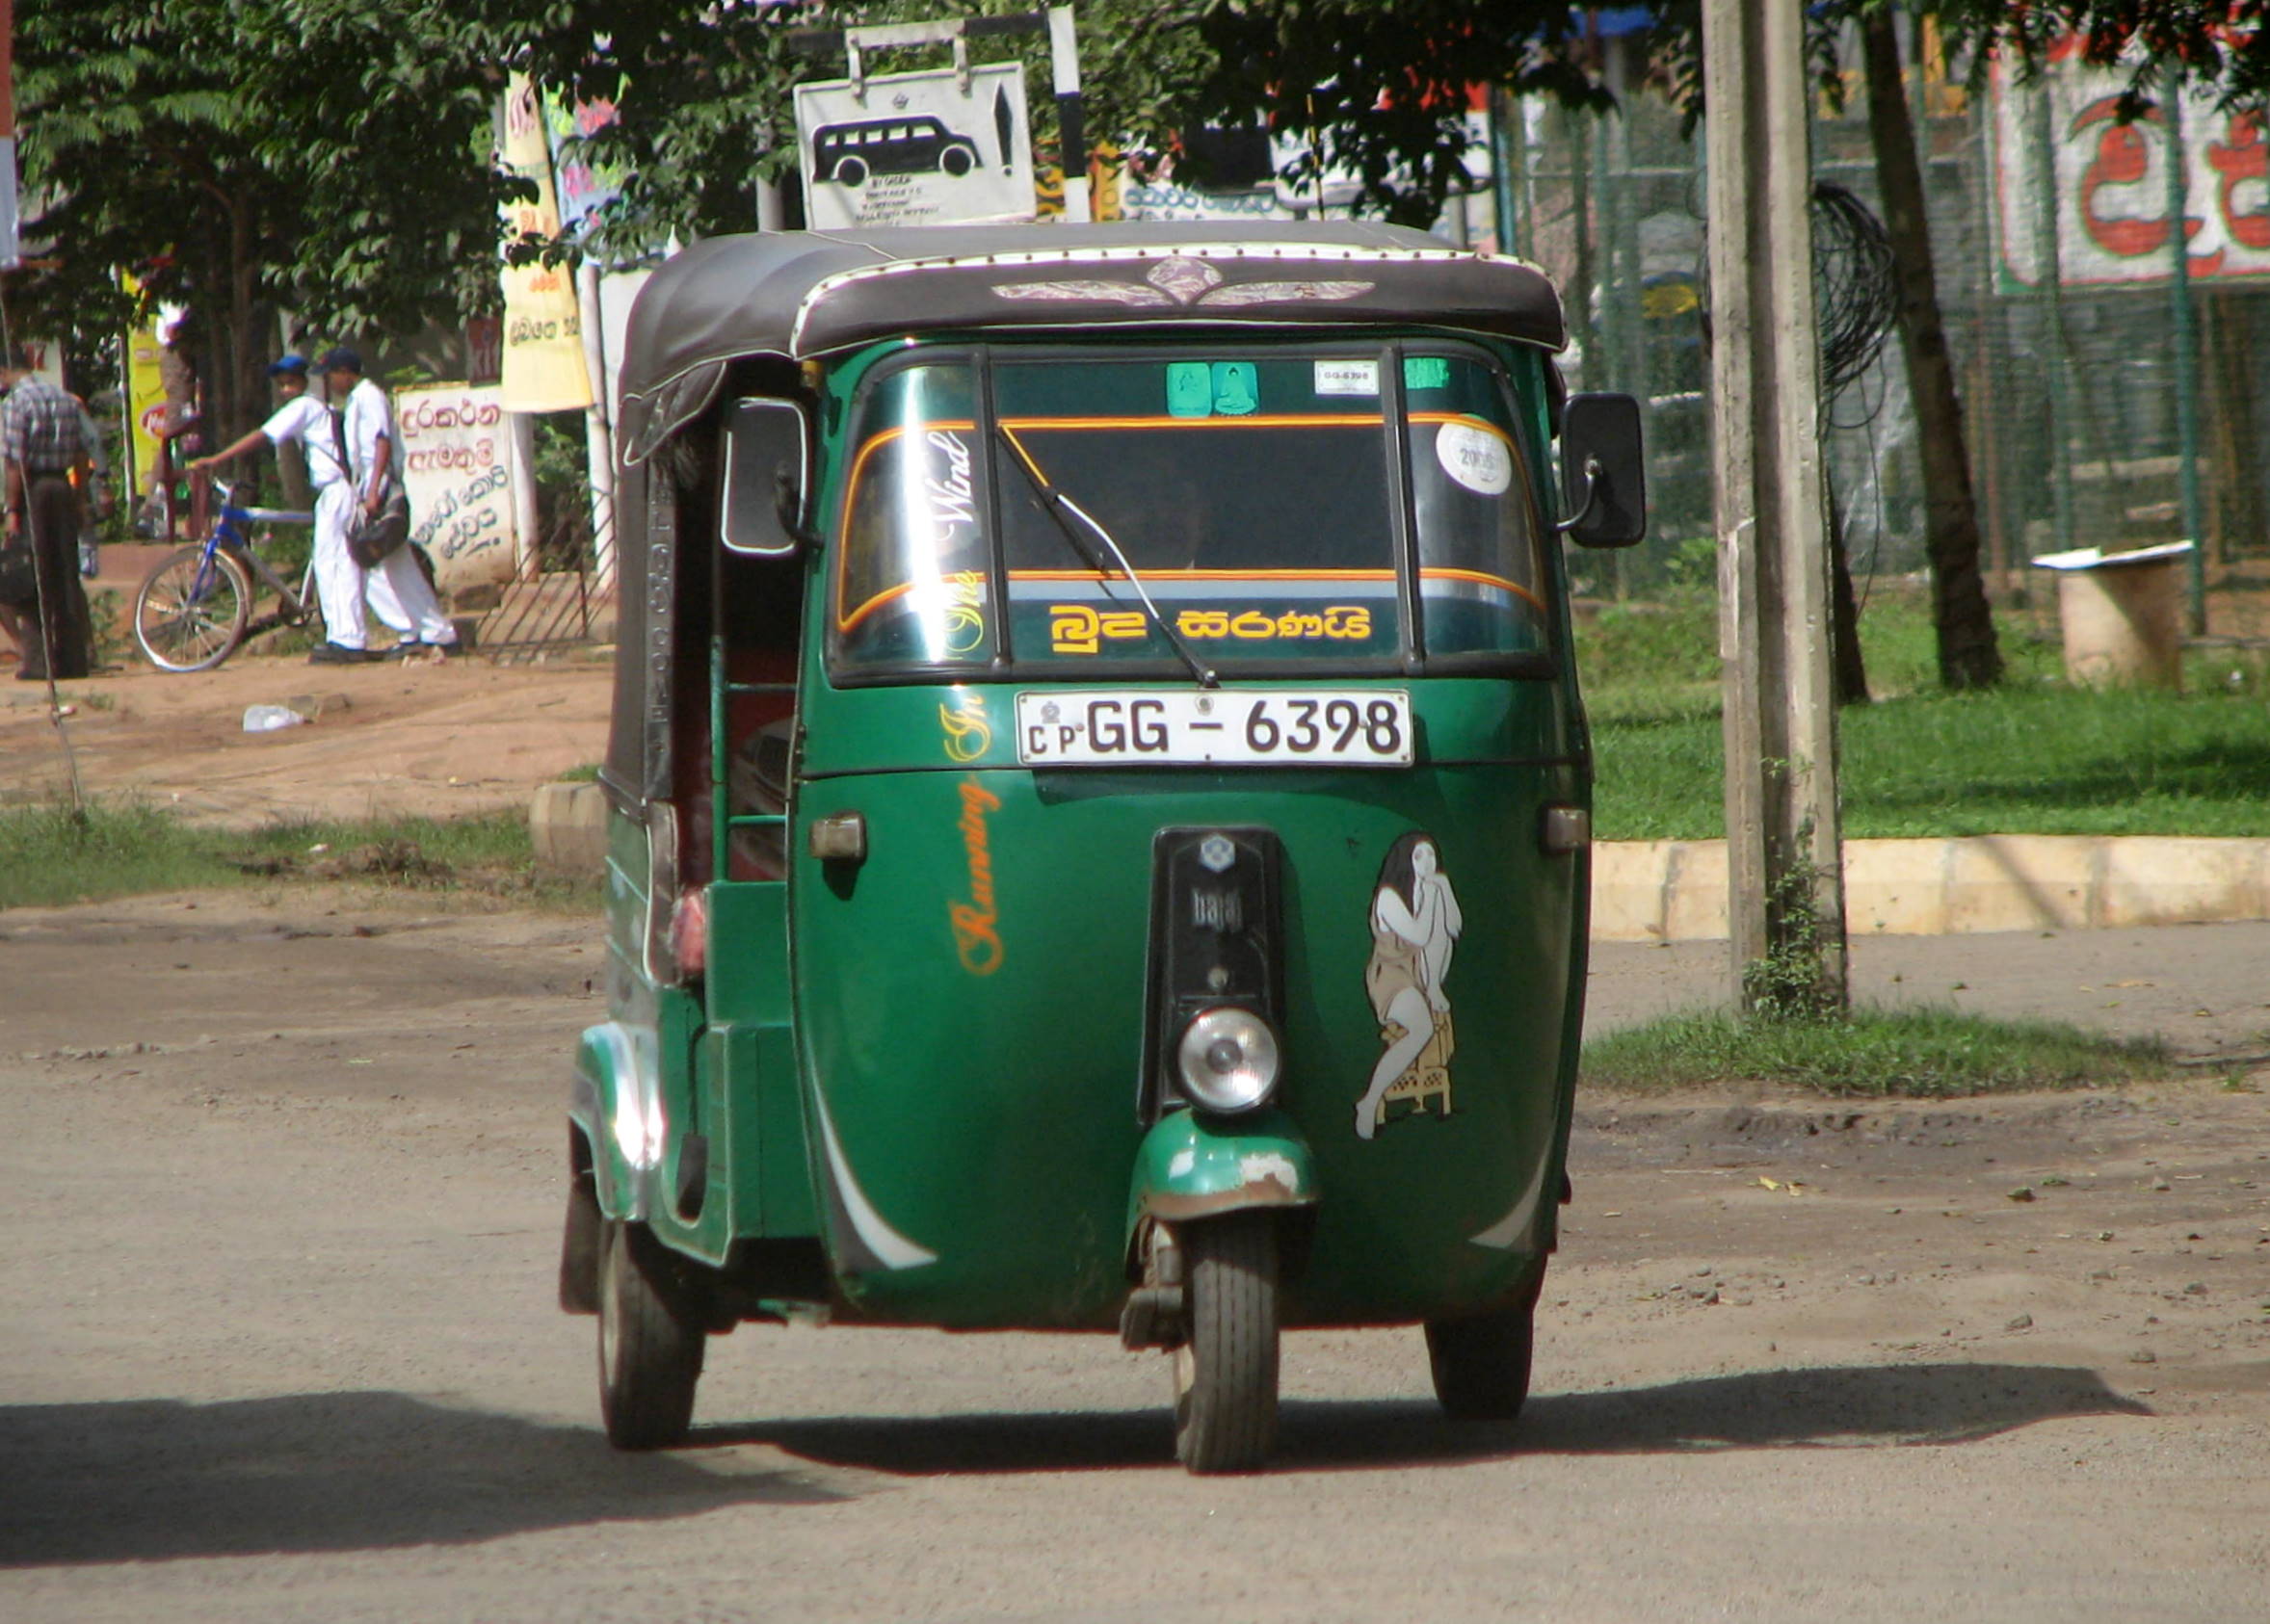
x: 958, y: 159
x: 191, y: 613
x: 1481, y: 1362
x: 851, y: 172
x: 650, y: 1341
x: 1225, y: 1370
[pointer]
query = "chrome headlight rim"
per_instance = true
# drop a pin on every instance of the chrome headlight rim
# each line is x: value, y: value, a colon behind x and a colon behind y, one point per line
x: 1228, y: 1061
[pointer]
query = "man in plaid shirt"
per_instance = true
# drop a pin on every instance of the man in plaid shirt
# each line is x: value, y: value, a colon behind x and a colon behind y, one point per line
x: 43, y: 439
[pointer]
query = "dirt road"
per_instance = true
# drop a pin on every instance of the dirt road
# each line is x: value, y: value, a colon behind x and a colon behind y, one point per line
x: 283, y: 1174
x: 432, y: 739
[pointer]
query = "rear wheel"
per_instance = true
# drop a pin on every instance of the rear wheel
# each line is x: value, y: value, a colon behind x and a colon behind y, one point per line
x: 851, y: 172
x: 1225, y: 1370
x: 650, y: 1341
x: 1481, y: 1362
x: 191, y: 611
x: 958, y: 159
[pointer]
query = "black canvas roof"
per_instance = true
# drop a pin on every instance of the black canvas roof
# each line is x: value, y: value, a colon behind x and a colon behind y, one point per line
x: 808, y: 293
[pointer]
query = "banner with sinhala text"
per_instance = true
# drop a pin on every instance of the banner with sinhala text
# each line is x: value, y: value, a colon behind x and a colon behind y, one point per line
x: 543, y: 368
x: 461, y: 491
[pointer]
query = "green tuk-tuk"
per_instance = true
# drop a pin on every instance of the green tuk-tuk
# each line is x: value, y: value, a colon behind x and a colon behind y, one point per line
x: 1100, y: 803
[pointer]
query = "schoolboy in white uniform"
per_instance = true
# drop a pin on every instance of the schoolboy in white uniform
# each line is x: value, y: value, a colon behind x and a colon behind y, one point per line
x: 399, y: 594
x: 338, y: 579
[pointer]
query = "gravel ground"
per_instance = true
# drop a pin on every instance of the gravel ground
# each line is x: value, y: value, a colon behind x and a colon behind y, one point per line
x: 285, y: 1169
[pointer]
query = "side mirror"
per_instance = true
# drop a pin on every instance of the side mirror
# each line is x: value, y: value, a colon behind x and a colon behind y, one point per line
x: 762, y: 498
x: 1603, y: 476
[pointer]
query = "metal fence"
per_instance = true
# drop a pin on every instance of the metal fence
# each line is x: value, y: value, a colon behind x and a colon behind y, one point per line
x: 2108, y: 380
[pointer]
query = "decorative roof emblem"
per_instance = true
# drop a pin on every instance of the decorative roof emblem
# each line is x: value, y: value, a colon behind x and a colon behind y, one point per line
x: 1183, y: 281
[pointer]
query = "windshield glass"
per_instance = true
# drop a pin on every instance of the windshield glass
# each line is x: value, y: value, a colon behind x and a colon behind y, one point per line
x: 1258, y: 494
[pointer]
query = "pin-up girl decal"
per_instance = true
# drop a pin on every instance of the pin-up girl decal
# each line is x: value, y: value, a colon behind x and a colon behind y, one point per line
x: 1415, y: 923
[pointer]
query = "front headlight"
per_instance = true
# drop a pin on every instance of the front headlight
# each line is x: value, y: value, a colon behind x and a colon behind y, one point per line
x: 1228, y: 1059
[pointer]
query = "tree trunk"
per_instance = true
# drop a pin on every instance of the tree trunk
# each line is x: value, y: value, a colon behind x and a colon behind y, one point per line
x: 1967, y: 655
x: 1848, y: 669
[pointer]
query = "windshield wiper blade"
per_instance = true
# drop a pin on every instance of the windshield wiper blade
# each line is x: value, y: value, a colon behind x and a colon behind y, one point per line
x: 1058, y: 506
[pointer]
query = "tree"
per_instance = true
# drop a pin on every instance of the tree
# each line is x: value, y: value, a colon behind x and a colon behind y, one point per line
x: 326, y: 158
x: 1961, y: 616
x: 703, y: 91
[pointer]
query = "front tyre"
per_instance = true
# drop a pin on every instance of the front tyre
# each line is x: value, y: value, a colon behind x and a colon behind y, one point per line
x: 650, y: 1341
x: 191, y: 612
x: 1481, y: 1362
x: 1225, y: 1370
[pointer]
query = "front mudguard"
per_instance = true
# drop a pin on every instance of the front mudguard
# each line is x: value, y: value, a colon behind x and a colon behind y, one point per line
x: 1196, y: 1166
x: 617, y: 1105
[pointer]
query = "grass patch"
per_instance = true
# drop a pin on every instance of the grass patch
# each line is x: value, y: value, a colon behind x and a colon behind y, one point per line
x: 50, y: 858
x: 2030, y: 757
x: 1873, y: 1054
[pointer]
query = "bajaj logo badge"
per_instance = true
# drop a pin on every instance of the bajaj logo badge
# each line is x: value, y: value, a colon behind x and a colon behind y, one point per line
x: 1217, y: 853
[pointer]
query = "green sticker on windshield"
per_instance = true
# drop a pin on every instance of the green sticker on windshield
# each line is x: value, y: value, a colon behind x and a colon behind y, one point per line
x: 1237, y: 388
x: 1190, y: 389
x: 1425, y: 372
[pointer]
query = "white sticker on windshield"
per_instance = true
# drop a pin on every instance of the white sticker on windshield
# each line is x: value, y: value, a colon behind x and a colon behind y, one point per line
x: 1475, y: 457
x: 1347, y: 378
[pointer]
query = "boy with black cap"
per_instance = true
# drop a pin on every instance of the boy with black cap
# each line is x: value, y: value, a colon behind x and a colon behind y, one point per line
x: 303, y: 418
x: 397, y: 589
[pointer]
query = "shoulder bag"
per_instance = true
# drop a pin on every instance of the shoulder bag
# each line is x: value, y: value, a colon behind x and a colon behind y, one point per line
x: 371, y: 537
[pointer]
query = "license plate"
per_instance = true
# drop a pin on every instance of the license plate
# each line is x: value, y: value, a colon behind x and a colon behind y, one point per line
x: 1280, y: 728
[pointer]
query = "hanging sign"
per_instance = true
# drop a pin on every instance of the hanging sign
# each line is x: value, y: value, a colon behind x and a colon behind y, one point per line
x: 933, y: 149
x: 543, y: 368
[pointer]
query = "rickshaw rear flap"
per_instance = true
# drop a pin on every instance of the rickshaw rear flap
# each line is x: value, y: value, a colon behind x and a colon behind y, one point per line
x: 800, y: 294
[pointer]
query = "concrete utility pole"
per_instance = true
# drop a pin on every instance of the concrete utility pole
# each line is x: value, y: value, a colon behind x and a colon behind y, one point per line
x: 1783, y: 857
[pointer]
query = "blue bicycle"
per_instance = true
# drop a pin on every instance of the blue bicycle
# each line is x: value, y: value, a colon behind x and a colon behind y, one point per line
x: 194, y: 609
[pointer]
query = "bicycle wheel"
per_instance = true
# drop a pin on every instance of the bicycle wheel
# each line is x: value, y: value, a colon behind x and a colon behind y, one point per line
x: 191, y: 612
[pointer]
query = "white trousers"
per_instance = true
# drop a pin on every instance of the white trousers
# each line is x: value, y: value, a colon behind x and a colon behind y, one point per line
x: 395, y: 592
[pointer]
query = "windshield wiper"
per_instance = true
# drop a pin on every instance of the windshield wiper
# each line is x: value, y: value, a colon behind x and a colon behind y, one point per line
x: 1058, y: 506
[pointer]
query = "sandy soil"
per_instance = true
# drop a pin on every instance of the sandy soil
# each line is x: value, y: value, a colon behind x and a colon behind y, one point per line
x: 440, y: 739
x: 284, y: 1173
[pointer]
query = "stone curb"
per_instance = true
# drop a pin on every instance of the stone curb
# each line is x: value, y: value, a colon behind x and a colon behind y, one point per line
x: 567, y: 826
x: 1675, y: 890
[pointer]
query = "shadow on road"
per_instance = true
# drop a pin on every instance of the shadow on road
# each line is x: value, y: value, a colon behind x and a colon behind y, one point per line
x: 1839, y: 1405
x: 154, y: 1479
x: 1849, y: 1407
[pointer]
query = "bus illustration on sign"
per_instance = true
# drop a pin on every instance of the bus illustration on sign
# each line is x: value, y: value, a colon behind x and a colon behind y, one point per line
x: 915, y: 143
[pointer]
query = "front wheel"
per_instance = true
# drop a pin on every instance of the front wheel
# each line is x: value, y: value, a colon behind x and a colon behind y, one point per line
x: 1225, y: 1370
x: 1481, y: 1362
x: 651, y: 1337
x: 191, y: 612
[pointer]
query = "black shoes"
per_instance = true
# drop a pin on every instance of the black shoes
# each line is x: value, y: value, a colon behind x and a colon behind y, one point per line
x: 338, y: 654
x: 412, y: 649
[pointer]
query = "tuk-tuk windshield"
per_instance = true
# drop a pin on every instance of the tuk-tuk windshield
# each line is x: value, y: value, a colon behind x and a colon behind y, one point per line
x: 1260, y: 495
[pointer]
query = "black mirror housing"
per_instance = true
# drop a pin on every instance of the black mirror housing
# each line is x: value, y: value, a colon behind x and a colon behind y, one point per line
x: 766, y: 463
x: 1604, y: 471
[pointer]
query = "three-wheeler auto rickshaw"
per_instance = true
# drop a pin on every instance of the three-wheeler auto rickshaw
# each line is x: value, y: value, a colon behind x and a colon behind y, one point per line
x: 1098, y: 802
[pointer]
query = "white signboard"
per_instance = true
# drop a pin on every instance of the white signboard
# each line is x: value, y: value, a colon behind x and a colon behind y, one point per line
x: 917, y: 148
x: 2112, y: 216
x: 460, y: 486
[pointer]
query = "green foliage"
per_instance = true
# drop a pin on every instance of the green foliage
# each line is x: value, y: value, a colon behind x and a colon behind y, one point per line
x: 1380, y: 91
x: 1789, y: 984
x: 328, y: 157
x: 1917, y: 1053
